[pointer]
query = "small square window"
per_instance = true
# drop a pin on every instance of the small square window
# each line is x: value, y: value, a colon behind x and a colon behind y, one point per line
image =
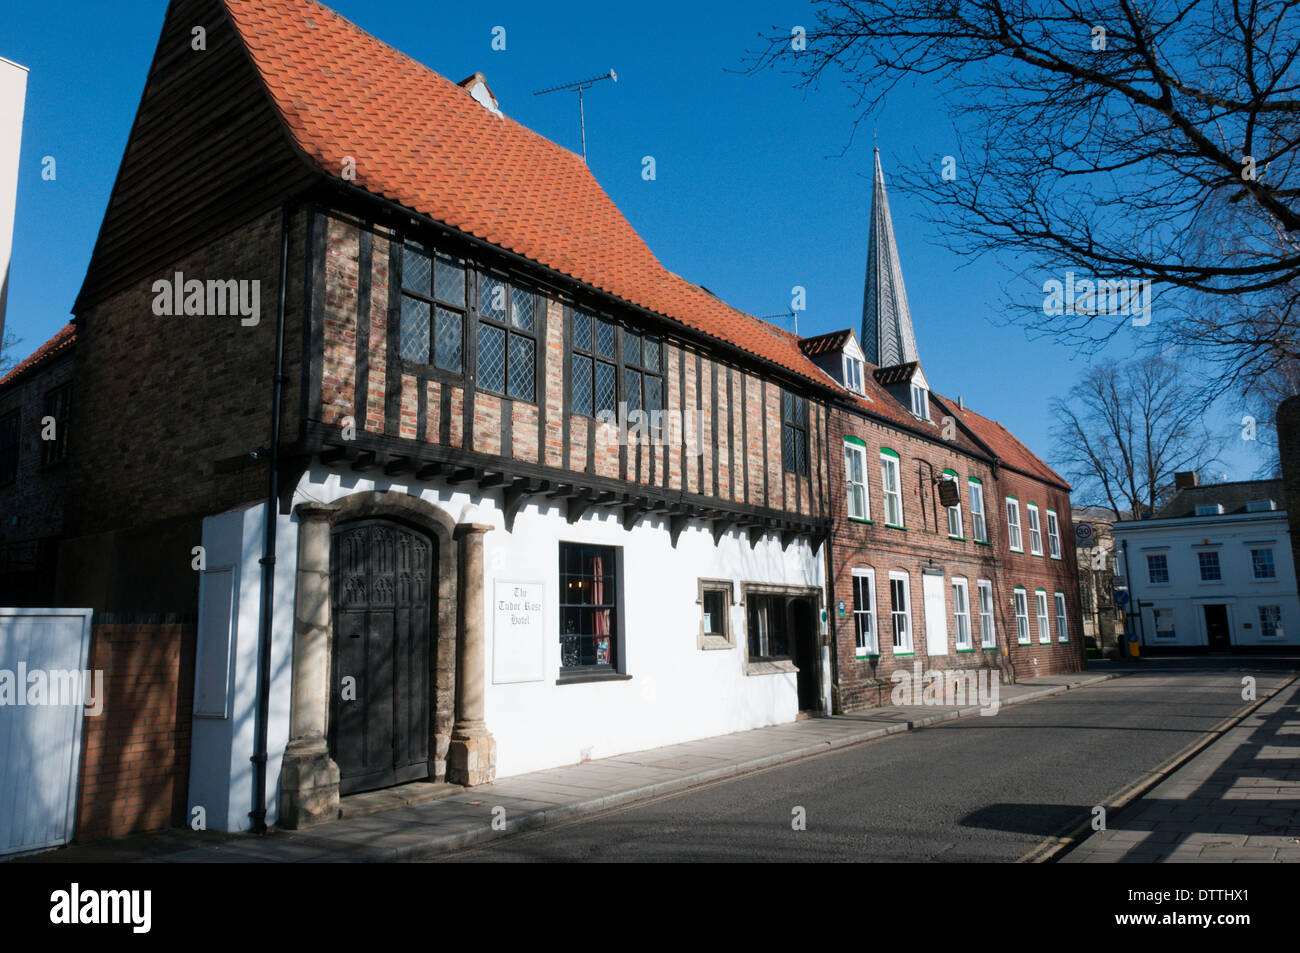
x: 715, y: 614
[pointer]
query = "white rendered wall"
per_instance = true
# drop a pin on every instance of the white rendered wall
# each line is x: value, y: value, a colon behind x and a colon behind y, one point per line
x: 1239, y: 590
x: 221, y: 774
x: 677, y: 691
x: 13, y: 95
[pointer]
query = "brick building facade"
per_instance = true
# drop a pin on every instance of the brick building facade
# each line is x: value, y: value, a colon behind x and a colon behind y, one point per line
x: 35, y: 407
x: 455, y: 477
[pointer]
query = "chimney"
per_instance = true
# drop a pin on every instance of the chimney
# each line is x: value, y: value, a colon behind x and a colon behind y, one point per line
x: 477, y: 87
x: 1185, y: 480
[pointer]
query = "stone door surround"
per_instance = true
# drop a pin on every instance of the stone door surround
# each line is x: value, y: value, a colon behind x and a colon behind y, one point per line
x: 464, y: 751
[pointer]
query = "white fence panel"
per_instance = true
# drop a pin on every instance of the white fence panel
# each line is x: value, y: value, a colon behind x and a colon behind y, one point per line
x: 43, y: 685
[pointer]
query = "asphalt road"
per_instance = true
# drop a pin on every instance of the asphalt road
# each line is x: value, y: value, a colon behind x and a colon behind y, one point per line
x: 976, y: 789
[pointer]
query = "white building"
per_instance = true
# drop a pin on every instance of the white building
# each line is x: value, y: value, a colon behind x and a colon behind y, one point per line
x: 13, y: 94
x: 1212, y: 571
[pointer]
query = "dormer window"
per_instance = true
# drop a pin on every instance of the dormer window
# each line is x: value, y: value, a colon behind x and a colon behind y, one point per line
x: 920, y: 402
x: 853, y: 374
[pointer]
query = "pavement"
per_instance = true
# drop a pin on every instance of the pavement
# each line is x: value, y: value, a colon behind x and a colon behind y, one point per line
x: 1236, y: 801
x: 465, y: 817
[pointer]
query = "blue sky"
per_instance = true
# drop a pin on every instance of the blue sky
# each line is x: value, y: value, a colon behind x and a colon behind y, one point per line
x: 754, y: 193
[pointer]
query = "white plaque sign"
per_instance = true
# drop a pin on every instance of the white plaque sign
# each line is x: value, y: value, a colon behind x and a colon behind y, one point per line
x: 518, y: 649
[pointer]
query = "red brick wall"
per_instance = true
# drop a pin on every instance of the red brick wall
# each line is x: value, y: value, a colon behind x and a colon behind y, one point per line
x: 338, y: 365
x: 754, y: 463
x: 863, y: 683
x: 135, y: 755
x: 1032, y: 572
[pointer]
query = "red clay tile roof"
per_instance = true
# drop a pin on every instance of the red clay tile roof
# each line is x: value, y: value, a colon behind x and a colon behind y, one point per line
x: 896, y: 374
x: 825, y: 343
x: 422, y: 141
x: 1004, y: 444
x: 66, y: 337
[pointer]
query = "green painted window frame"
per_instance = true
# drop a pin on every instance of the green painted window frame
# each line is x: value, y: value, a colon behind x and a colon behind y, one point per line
x: 884, y: 489
x: 971, y: 483
x: 1019, y: 528
x: 1036, y: 510
x: 1053, y: 516
x: 861, y: 446
x: 1025, y: 637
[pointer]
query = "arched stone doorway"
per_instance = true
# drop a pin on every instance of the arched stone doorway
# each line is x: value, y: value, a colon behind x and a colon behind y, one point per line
x: 381, y: 672
x: 311, y: 777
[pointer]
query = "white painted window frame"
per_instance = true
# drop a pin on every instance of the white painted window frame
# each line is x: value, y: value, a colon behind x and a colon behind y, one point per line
x: 851, y: 447
x: 1035, y: 530
x: 1021, y: 597
x: 1054, y: 534
x: 1044, y: 618
x: 1015, y: 540
x: 873, y: 643
x: 961, y: 616
x: 957, y: 485
x: 988, y: 630
x: 979, y: 525
x: 1062, y: 621
x: 891, y: 461
x: 908, y: 645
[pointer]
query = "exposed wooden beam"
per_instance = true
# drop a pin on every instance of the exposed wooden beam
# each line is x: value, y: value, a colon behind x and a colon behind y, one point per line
x: 720, y: 529
x: 398, y: 465
x: 676, y: 524
x: 755, y: 532
x: 430, y: 470
x: 465, y: 475
x: 332, y: 455
x: 517, y: 494
x: 578, y: 505
x: 491, y: 480
x: 364, y: 460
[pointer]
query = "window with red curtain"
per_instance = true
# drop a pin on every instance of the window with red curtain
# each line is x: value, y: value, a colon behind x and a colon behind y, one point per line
x: 588, y: 607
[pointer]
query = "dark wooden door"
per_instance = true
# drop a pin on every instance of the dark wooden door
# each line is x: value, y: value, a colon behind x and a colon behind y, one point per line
x: 379, y: 723
x: 1216, y: 628
x: 802, y: 628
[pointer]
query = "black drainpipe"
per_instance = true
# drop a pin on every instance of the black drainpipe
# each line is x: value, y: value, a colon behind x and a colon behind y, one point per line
x: 258, y: 813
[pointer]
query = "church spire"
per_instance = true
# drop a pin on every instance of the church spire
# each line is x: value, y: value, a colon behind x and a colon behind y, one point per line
x: 887, y: 336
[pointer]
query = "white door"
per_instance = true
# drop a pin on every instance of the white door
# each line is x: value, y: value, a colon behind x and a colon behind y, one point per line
x: 936, y: 616
x: 40, y: 738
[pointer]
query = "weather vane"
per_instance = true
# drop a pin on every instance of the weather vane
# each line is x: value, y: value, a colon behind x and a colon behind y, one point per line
x: 580, y: 85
